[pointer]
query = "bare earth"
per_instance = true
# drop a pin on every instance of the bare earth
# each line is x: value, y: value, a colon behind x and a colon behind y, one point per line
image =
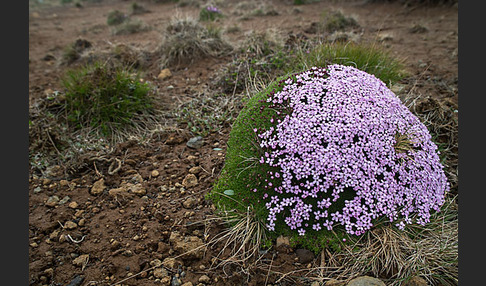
x: 105, y: 238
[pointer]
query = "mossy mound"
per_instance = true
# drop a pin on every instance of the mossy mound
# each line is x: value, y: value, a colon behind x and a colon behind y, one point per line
x: 324, y: 154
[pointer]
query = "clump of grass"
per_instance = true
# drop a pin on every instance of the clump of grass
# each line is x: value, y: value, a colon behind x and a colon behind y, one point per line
x: 369, y: 58
x: 129, y: 56
x: 121, y: 55
x: 136, y: 9
x: 261, y: 58
x: 430, y: 251
x: 116, y: 17
x: 262, y: 43
x: 336, y: 21
x: 129, y: 26
x: 303, y: 2
x: 105, y: 98
x: 208, y: 113
x: 187, y: 40
x: 74, y: 51
x: 241, y: 242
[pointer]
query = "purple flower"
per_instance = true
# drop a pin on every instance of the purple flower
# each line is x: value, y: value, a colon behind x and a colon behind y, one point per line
x: 334, y: 136
x: 213, y: 9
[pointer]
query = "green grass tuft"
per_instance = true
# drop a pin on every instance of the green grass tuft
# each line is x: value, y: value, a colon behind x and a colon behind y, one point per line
x: 104, y: 97
x: 115, y: 17
x: 369, y: 58
x: 336, y: 21
x: 130, y: 26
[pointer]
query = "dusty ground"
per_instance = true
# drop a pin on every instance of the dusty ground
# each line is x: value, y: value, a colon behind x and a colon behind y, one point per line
x: 101, y: 239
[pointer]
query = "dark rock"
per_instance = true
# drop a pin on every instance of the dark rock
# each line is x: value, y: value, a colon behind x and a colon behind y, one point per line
x: 77, y: 280
x: 195, y: 142
x: 304, y: 255
x: 48, y: 57
x: 176, y: 281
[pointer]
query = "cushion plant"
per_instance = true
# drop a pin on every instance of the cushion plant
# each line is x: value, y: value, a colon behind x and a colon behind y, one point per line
x: 327, y: 149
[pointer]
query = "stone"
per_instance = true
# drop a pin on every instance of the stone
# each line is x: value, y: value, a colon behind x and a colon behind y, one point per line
x: 73, y: 205
x: 189, y: 203
x: 190, y: 181
x: 155, y: 263
x: 204, y: 279
x: 49, y: 272
x: 174, y: 139
x: 98, y: 187
x: 70, y: 225
x: 52, y: 201
x: 54, y: 171
x: 195, y: 142
x: 170, y: 262
x: 176, y: 281
x: 79, y: 213
x: 122, y: 191
x: 416, y: 281
x: 155, y: 173
x: 282, y: 241
x: 81, y: 260
x: 384, y: 37
x: 137, y: 189
x: 64, y: 183
x: 165, y: 280
x: 54, y: 234
x: 195, y: 170
x: 366, y: 281
x: 160, y: 272
x: 64, y: 200
x: 192, y: 246
x: 62, y: 238
x: 165, y: 73
x: 76, y: 281
x: 187, y: 284
x: 136, y: 179
x: 304, y: 255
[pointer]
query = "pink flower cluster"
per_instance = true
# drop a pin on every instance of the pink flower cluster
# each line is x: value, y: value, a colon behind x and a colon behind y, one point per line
x: 213, y: 9
x: 335, y: 131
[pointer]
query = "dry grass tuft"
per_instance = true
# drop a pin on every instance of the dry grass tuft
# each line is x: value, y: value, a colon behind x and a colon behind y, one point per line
x: 209, y: 112
x: 261, y: 44
x: 117, y: 55
x: 395, y: 256
x: 187, y: 40
x: 239, y: 244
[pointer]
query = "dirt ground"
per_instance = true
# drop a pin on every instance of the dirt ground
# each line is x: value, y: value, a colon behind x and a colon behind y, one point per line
x: 80, y: 237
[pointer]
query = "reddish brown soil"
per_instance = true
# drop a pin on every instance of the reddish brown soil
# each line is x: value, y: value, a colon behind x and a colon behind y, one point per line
x: 430, y: 57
